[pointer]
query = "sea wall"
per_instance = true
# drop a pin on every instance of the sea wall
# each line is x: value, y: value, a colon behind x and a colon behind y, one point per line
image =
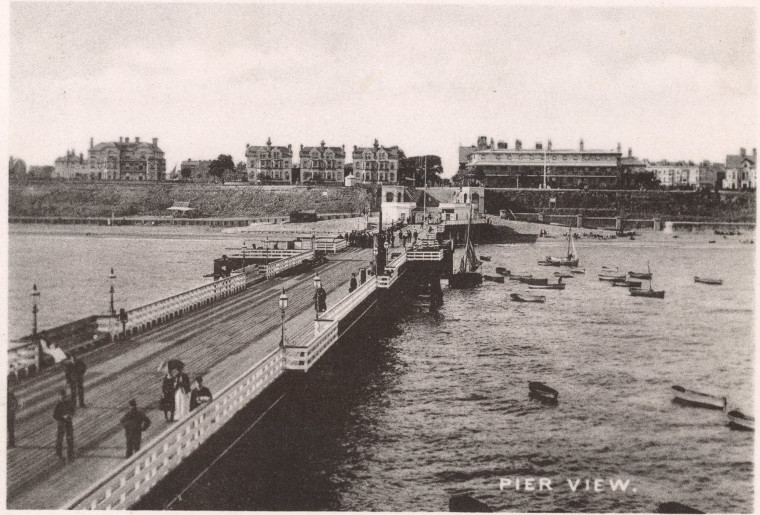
x: 665, y: 205
x: 104, y: 199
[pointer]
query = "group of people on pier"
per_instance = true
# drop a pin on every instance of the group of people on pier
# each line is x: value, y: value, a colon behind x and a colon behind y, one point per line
x: 177, y: 397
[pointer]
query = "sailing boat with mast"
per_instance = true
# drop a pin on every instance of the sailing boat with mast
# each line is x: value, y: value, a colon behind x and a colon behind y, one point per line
x: 651, y: 293
x: 572, y: 255
x: 467, y: 276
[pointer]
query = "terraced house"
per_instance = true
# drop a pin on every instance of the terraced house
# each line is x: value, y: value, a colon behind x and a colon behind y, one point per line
x: 376, y: 164
x: 269, y: 164
x: 127, y: 161
x: 322, y: 164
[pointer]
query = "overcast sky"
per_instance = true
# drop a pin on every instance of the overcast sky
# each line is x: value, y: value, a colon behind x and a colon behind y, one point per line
x: 205, y: 79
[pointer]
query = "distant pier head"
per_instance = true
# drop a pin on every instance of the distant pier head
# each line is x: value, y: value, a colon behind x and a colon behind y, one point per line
x: 242, y: 332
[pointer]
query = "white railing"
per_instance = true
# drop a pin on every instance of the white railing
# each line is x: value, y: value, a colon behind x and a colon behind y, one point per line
x: 269, y: 253
x: 302, y: 357
x: 140, y: 473
x: 160, y: 311
x: 331, y: 245
x: 281, y: 265
x: 424, y: 255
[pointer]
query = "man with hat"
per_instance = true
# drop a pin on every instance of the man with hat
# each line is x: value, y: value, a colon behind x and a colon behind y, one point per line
x: 63, y: 413
x: 134, y: 422
x: 200, y: 394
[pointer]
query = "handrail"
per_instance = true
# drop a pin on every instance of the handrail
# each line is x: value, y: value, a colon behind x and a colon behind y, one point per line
x: 284, y: 264
x: 159, y: 446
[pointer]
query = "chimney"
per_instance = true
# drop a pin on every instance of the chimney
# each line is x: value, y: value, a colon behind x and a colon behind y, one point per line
x: 81, y: 158
x: 630, y: 152
x: 92, y: 143
x: 301, y: 146
x: 539, y: 146
x: 126, y: 139
x: 355, y: 148
x: 482, y: 142
x: 754, y: 154
x: 549, y: 145
x: 155, y: 142
x: 121, y: 139
x: 743, y: 152
x: 247, y: 145
x: 581, y: 144
x: 290, y: 146
x: 518, y: 144
x: 137, y: 139
x: 502, y: 145
x: 618, y: 150
x: 492, y: 147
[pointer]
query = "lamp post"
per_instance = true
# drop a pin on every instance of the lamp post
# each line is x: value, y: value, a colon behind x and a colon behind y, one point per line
x: 317, y: 286
x: 35, y: 309
x: 112, y: 278
x: 283, y: 306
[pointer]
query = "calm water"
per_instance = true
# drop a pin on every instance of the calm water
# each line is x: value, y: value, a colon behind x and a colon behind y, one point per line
x: 436, y: 403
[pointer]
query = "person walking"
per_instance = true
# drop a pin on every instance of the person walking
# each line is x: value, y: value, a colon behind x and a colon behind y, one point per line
x: 320, y: 299
x: 414, y: 237
x: 13, y: 407
x: 167, y: 397
x: 181, y: 394
x: 200, y: 394
x: 352, y: 284
x: 63, y: 413
x: 74, y: 370
x: 134, y: 422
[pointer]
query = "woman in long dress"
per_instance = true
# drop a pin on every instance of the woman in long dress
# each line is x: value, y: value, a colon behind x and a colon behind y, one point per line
x: 167, y: 398
x: 181, y: 394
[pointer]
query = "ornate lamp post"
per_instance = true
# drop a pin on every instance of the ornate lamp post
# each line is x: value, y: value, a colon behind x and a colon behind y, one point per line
x: 112, y: 279
x: 317, y: 286
x: 283, y: 306
x: 35, y: 309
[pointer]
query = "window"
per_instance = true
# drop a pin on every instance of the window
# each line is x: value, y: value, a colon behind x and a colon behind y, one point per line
x: 393, y: 165
x: 276, y: 154
x: 393, y: 177
x: 305, y: 163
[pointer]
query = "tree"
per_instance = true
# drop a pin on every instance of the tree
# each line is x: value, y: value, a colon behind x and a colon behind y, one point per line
x: 220, y: 165
x: 411, y: 170
x: 16, y: 168
x: 241, y: 173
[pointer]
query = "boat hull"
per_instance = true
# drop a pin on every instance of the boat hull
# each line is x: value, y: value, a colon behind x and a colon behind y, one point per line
x: 738, y: 420
x: 638, y: 292
x: 539, y: 388
x: 547, y: 287
x: 686, y: 397
x: 611, y: 278
x: 517, y: 297
x: 464, y: 280
x: 535, y: 281
x: 502, y: 271
x: 494, y: 278
x: 627, y: 284
x: 705, y: 280
x: 640, y: 275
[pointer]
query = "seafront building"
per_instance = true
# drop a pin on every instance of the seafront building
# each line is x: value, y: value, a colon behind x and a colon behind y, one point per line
x: 269, y: 164
x: 675, y: 175
x: 322, y: 164
x: 194, y: 170
x: 71, y: 166
x: 127, y: 161
x: 518, y: 167
x: 376, y: 164
x: 741, y: 170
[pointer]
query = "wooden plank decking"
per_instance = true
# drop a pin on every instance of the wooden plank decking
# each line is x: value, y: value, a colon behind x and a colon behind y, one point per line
x: 219, y: 342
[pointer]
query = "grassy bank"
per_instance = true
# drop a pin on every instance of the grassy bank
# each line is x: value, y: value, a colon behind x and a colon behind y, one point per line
x: 209, y: 200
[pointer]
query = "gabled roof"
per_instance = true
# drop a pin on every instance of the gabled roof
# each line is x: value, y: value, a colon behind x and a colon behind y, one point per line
x: 393, y: 152
x: 339, y: 152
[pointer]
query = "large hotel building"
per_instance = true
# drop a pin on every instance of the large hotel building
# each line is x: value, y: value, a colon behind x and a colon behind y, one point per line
x: 518, y: 167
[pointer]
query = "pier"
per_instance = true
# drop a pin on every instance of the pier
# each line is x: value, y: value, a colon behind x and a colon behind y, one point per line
x: 234, y: 339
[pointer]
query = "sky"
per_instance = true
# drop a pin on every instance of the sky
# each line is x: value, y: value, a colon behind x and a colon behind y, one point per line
x: 206, y: 79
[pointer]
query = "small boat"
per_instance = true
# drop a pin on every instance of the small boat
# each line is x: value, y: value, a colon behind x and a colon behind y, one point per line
x: 527, y: 297
x: 494, y: 278
x: 520, y: 277
x: 687, y: 397
x: 643, y: 292
x: 563, y: 275
x: 570, y: 259
x: 558, y: 286
x: 577, y: 270
x: 610, y: 268
x: 466, y: 503
x: 738, y: 420
x: 608, y: 277
x: 706, y: 280
x: 675, y: 507
x: 503, y: 271
x: 467, y: 276
x: 711, y: 241
x: 535, y: 281
x: 640, y: 275
x: 541, y: 389
x: 627, y: 284
x: 548, y: 262
x: 485, y: 258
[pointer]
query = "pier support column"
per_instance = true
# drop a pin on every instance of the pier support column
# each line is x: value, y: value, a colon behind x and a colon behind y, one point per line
x: 541, y: 217
x: 579, y: 221
x: 657, y: 224
x: 618, y: 224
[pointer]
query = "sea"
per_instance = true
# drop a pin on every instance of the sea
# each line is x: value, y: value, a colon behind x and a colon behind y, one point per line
x: 434, y: 402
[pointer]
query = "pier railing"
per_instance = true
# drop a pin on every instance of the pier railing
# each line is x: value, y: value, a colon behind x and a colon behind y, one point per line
x: 392, y: 271
x: 281, y: 265
x: 303, y: 356
x: 270, y: 253
x: 424, y: 255
x: 331, y: 245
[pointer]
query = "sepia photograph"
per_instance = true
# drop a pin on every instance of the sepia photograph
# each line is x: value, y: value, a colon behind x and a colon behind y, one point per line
x: 381, y: 257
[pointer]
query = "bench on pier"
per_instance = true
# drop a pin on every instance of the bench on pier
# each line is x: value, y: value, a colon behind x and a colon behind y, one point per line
x: 180, y: 208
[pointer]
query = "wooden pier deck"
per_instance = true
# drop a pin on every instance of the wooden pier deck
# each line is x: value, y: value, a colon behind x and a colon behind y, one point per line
x: 219, y: 342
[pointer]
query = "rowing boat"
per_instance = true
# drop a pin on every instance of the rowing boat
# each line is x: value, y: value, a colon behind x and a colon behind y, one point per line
x: 527, y: 297
x: 706, y: 280
x: 608, y: 277
x: 559, y: 286
x: 738, y: 420
x: 701, y: 400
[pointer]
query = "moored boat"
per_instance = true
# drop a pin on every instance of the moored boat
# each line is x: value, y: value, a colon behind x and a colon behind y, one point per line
x: 494, y: 278
x: 520, y: 277
x: 503, y: 271
x: 548, y: 262
x: 640, y: 275
x: 608, y: 269
x: 527, y: 297
x: 627, y: 284
x: 485, y: 258
x: 570, y: 259
x: 564, y: 275
x: 609, y: 277
x: 559, y: 286
x: 467, y: 276
x: 707, y: 280
x: 536, y: 281
x: 539, y: 388
x: 643, y: 292
x: 688, y: 397
x: 577, y: 270
x: 738, y: 420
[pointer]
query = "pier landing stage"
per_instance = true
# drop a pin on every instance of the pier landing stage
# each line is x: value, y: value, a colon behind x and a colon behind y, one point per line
x: 220, y: 342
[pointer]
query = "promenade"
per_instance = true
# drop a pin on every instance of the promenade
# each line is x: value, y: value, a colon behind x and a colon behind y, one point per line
x: 219, y: 342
